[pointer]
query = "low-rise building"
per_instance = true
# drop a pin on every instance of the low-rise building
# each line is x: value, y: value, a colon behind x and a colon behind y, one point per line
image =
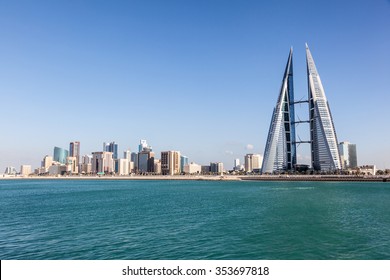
x: 57, y: 169
x: 367, y: 170
x: 192, y: 168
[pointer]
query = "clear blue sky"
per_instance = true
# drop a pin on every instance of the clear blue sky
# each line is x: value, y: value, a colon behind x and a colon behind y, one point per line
x: 197, y: 76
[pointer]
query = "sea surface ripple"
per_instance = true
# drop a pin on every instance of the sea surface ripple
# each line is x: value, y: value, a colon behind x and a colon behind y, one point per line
x: 65, y: 219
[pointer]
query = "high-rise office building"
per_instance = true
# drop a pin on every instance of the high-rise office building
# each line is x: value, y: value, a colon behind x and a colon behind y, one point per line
x: 170, y: 163
x: 60, y: 155
x: 134, y: 159
x: 280, y: 149
x: 102, y: 162
x: 111, y: 147
x: 74, y: 151
x: 324, y: 146
x: 253, y: 162
x: 145, y: 161
x: 123, y: 166
x: 183, y: 162
x: 216, y: 167
x: 236, y: 165
x: 127, y: 155
x: 348, y: 155
x: 86, y: 164
x: 142, y: 145
x: 71, y: 165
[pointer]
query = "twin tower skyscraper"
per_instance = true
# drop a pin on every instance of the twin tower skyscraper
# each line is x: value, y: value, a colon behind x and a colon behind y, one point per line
x: 281, y: 147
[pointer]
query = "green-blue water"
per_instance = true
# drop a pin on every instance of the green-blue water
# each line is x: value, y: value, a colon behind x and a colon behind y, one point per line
x: 53, y: 219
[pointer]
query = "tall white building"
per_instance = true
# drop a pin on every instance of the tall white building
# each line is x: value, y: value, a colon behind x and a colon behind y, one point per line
x: 157, y: 166
x: 236, y: 164
x: 127, y: 155
x: 46, y: 163
x: 253, y: 162
x: 324, y: 146
x: 123, y: 166
x: 25, y: 170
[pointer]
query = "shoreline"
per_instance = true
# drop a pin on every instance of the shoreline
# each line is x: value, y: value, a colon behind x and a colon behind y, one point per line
x: 296, y: 178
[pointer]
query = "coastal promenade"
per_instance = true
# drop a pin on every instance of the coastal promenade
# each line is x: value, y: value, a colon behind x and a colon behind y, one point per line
x: 323, y: 178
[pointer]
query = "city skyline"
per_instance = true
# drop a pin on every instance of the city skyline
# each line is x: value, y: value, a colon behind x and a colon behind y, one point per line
x: 197, y: 77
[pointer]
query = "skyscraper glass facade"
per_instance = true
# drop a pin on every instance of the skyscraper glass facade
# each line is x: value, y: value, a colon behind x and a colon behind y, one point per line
x: 60, y: 155
x: 280, y: 150
x: 111, y: 147
x: 324, y: 146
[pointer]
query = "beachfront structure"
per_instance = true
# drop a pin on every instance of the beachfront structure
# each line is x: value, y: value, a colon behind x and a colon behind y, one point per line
x: 205, y: 169
x: 74, y: 151
x: 60, y: 155
x: 25, y: 170
x: 252, y: 162
x: 324, y: 146
x: 280, y: 149
x: 102, y: 162
x: 348, y: 155
x: 10, y: 170
x: 192, y: 168
x: 170, y: 162
x: 216, y: 167
x: 367, y: 170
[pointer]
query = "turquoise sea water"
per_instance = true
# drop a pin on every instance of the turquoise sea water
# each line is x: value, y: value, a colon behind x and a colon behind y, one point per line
x: 55, y: 219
